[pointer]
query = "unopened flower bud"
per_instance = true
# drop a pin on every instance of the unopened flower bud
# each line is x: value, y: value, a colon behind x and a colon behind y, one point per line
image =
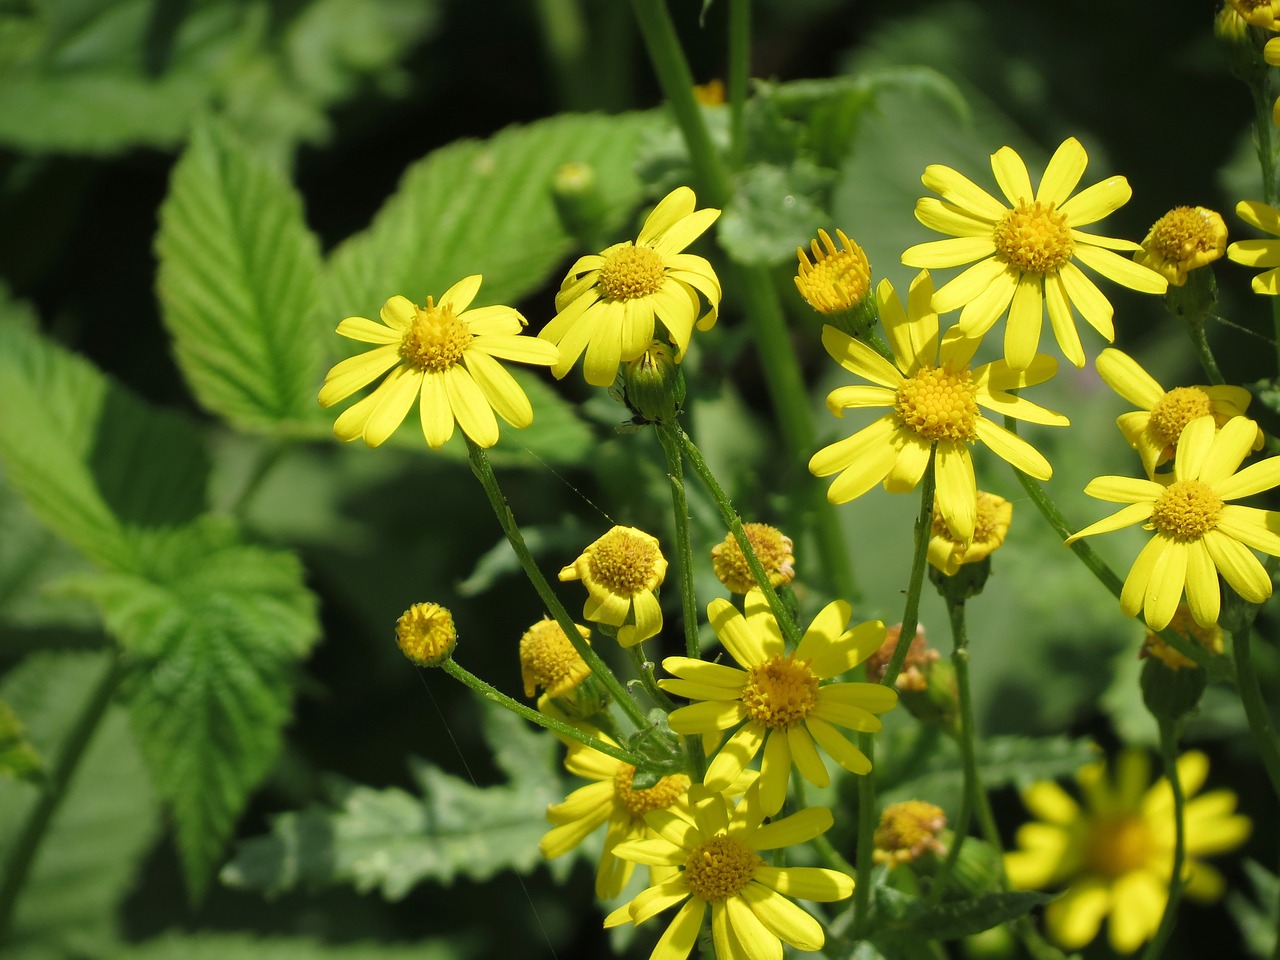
x: 426, y: 635
x: 654, y: 384
x: 579, y: 203
x: 837, y: 283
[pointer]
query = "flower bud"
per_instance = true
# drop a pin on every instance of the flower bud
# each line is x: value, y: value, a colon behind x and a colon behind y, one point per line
x: 654, y: 385
x: 426, y: 635
x: 579, y: 203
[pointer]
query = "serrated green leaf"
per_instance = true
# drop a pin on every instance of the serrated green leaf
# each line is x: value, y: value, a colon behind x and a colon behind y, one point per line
x: 241, y: 946
x: 214, y: 629
x: 774, y: 210
x: 391, y: 840
x: 238, y: 284
x: 897, y: 915
x: 102, y: 826
x: 18, y: 758
x: 485, y: 207
x: 1258, y: 918
x: 91, y: 459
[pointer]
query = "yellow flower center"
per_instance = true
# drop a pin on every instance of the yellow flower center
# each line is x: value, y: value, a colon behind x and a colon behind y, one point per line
x: 658, y: 797
x: 435, y: 340
x: 837, y: 279
x: 772, y: 548
x: 781, y: 691
x: 907, y: 830
x: 719, y: 868
x: 1184, y: 233
x: 548, y: 659
x: 1118, y: 845
x: 1208, y: 637
x: 425, y: 634
x: 625, y: 564
x: 1035, y: 238
x: 1186, y: 511
x: 939, y: 404
x: 631, y: 272
x: 1176, y: 409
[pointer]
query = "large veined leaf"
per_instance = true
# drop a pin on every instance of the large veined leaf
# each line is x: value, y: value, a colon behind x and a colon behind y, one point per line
x: 214, y: 629
x: 238, y: 284
x: 239, y: 946
x: 898, y: 915
x: 392, y: 840
x: 485, y: 207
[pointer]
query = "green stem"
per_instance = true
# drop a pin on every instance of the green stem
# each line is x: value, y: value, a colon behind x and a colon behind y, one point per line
x: 493, y: 694
x: 1169, y: 753
x: 739, y: 75
x: 265, y: 461
x: 824, y: 848
x: 684, y: 544
x: 73, y: 748
x: 644, y: 670
x: 483, y: 470
x: 1207, y: 360
x: 1255, y: 708
x: 863, y: 859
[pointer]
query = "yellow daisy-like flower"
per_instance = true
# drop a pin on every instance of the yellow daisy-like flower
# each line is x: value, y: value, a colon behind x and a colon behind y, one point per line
x: 621, y: 571
x: 1184, y: 239
x: 548, y: 659
x: 773, y: 549
x: 1153, y: 429
x: 778, y: 697
x: 1114, y: 855
x: 948, y: 554
x: 1198, y: 533
x: 837, y: 279
x: 1259, y: 13
x: 610, y: 798
x: 1027, y: 251
x: 426, y: 635
x: 934, y: 398
x: 609, y: 301
x: 446, y: 357
x: 716, y: 854
x: 1259, y: 253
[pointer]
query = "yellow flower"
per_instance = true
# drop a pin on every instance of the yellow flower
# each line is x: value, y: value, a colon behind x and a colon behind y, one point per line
x: 716, y: 854
x: 1154, y: 428
x: 444, y: 354
x: 1198, y: 534
x: 773, y: 549
x: 1027, y: 251
x: 1259, y: 253
x: 609, y: 798
x: 1184, y: 239
x: 837, y: 279
x: 908, y: 831
x: 609, y: 301
x: 548, y: 660
x: 1115, y: 855
x: 1259, y: 13
x: 934, y: 398
x: 426, y: 635
x: 992, y: 526
x: 779, y: 698
x: 917, y: 666
x: 1208, y: 637
x: 621, y: 570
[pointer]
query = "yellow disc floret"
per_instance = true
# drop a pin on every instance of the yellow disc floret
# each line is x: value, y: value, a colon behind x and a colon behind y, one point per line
x: 1186, y: 511
x: 1035, y: 238
x: 435, y: 339
x: 907, y: 831
x: 1185, y: 238
x: 720, y: 867
x: 631, y: 272
x: 1176, y: 409
x: 780, y: 692
x: 1118, y: 845
x: 426, y: 635
x: 658, y: 797
x: 836, y: 279
x: 626, y: 562
x: 772, y: 548
x: 548, y: 660
x: 939, y: 404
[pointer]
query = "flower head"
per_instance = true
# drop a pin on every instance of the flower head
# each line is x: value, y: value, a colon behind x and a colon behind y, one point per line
x: 908, y: 831
x: 773, y: 549
x: 1259, y: 253
x: 1258, y: 13
x: 548, y: 659
x: 919, y: 661
x: 947, y: 553
x: 837, y: 279
x: 1154, y: 645
x: 1114, y: 855
x: 1184, y: 239
x: 1153, y: 429
x: 443, y: 355
x: 934, y: 398
x: 426, y: 635
x: 621, y: 570
x: 1027, y: 252
x: 779, y: 698
x: 1198, y: 532
x: 716, y: 856
x: 609, y: 301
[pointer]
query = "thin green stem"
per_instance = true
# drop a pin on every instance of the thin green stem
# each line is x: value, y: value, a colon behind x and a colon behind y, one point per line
x: 1169, y: 753
x: 494, y: 695
x: 644, y: 670
x: 911, y: 611
x: 1255, y: 708
x: 824, y: 848
x: 483, y: 470
x: 863, y: 854
x: 739, y: 75
x: 263, y: 465
x: 684, y: 544
x: 1207, y: 360
x: 73, y: 748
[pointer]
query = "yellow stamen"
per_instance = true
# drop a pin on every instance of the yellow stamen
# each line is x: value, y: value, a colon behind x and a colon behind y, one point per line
x: 939, y: 404
x: 625, y: 564
x: 837, y: 279
x: 435, y: 340
x: 1186, y: 511
x: 1035, y: 238
x: 719, y: 868
x: 630, y: 273
x: 425, y: 634
x: 1176, y: 409
x: 781, y: 691
x: 548, y: 660
x: 658, y: 797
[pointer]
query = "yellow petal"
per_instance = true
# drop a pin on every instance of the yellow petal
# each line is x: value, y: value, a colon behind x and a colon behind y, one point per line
x: 806, y: 883
x: 679, y: 939
x: 1124, y: 271
x: 981, y: 312
x: 972, y: 284
x: 460, y: 295
x: 1134, y: 513
x: 782, y: 918
x: 950, y: 219
x: 1096, y: 201
x: 1063, y: 172
x: 706, y: 716
x: 1126, y: 377
x: 775, y: 771
x: 500, y: 389
x: 434, y: 411
x: 1134, y: 591
x: 738, y: 751
x: 959, y: 190
x: 1238, y: 567
x: 349, y: 375
x: 396, y: 396
x: 1026, y: 314
x: 837, y: 746
x: 1168, y: 578
x: 957, y: 491
x: 1203, y: 596
x: 366, y: 331
x: 1088, y: 299
x: 1075, y: 917
x: 469, y: 405
x: 805, y: 756
x: 1061, y: 319
x: 954, y: 252
x: 1011, y: 175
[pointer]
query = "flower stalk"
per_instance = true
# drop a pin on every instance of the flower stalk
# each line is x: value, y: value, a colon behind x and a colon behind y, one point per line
x: 1177, y: 880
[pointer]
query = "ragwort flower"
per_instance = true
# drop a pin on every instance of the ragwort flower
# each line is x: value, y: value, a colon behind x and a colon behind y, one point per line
x: 716, y: 855
x: 779, y: 698
x: 837, y: 279
x: 445, y: 357
x: 1198, y: 534
x: 609, y: 301
x: 1153, y: 429
x: 773, y: 548
x: 948, y: 554
x: 1115, y: 855
x: 621, y: 570
x: 934, y: 398
x: 1027, y: 251
x: 549, y: 660
x: 1184, y: 239
x: 1258, y: 13
x: 1259, y: 253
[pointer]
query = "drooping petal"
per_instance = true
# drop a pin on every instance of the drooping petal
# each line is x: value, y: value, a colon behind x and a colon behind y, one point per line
x: 349, y: 375
x: 500, y: 389
x: 908, y: 468
x: 1061, y: 319
x: 752, y: 936
x: 1238, y: 566
x: 1126, y: 377
x: 1203, y: 596
x: 805, y: 756
x: 1026, y: 315
x: 1168, y: 578
x: 782, y: 918
x: 469, y: 405
x: 434, y: 411
x: 396, y: 396
x: 775, y: 771
x: 604, y: 352
x: 1134, y: 591
x: 957, y: 490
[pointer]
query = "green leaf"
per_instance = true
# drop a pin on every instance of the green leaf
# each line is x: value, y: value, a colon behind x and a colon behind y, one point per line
x: 91, y: 459
x: 241, y: 946
x: 18, y: 758
x: 238, y: 285
x: 214, y: 630
x: 391, y: 840
x: 485, y: 207
x: 774, y: 210
x: 898, y: 915
x: 1258, y: 917
x: 104, y: 824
